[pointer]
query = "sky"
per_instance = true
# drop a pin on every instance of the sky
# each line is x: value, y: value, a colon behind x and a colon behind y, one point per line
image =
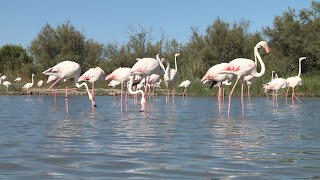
x: 107, y: 21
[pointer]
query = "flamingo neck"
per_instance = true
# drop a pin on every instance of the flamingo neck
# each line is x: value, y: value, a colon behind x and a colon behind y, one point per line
x: 299, y: 74
x: 175, y: 61
x: 143, y: 101
x: 32, y: 81
x: 272, y: 75
x: 87, y: 89
x: 263, y: 67
x: 167, y: 72
x: 160, y: 63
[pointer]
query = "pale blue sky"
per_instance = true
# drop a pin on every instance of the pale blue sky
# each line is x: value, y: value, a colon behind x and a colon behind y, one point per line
x: 107, y: 20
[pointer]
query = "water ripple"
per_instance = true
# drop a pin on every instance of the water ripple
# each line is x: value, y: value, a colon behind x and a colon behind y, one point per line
x: 188, y: 140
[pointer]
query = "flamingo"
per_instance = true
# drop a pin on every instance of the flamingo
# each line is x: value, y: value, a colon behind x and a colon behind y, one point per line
x: 29, y: 85
x: 67, y: 70
x: 213, y: 76
x: 146, y: 66
x: 275, y: 85
x: 121, y: 75
x: 226, y: 82
x: 294, y: 81
x: 40, y: 83
x: 18, y: 79
x: 249, y: 80
x: 143, y: 100
x: 2, y: 78
x: 242, y: 67
x: 170, y: 77
x: 151, y: 81
x: 7, y: 84
x: 92, y: 75
x: 185, y: 84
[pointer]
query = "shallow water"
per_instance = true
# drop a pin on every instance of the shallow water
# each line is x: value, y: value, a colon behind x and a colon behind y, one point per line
x: 190, y: 140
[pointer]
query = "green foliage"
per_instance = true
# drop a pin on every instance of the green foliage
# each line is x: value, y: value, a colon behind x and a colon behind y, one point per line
x: 54, y: 45
x: 13, y: 57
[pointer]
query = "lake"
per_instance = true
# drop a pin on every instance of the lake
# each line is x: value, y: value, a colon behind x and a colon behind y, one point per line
x: 189, y: 140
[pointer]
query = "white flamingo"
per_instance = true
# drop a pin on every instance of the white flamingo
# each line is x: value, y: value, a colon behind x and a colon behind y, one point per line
x: 28, y: 86
x: 185, y: 84
x: 294, y: 81
x: 170, y: 78
x: 7, y: 84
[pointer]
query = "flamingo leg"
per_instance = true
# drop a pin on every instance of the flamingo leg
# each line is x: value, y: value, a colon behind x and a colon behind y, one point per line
x: 273, y: 98
x: 297, y: 99
x: 126, y: 98
x: 66, y: 99
x: 230, y: 95
x: 242, y: 103
x: 93, y: 95
x: 219, y: 98
x: 277, y: 98
x: 292, y: 98
x: 287, y: 94
x: 173, y: 93
x: 222, y: 95
x: 248, y: 93
x: 55, y: 97
x: 121, y: 97
x: 167, y: 95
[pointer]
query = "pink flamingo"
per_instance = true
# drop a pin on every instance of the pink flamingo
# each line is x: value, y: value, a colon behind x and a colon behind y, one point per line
x: 151, y: 81
x: 92, y: 75
x: 67, y: 70
x: 242, y: 67
x: 143, y: 97
x: 275, y: 85
x: 294, y: 81
x: 185, y: 84
x: 170, y: 77
x: 214, y: 77
x: 122, y: 75
x: 146, y: 66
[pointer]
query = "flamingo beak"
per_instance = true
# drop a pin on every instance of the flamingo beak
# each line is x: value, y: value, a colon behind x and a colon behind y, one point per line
x: 267, y: 50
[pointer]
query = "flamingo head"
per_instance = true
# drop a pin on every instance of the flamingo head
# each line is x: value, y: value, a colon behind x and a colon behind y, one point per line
x: 302, y: 58
x: 91, y: 99
x: 264, y: 44
x: 143, y: 103
x: 177, y: 54
x: 32, y: 74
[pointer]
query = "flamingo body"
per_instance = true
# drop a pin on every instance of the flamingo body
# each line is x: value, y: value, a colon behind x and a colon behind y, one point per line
x: 17, y: 79
x: 92, y: 75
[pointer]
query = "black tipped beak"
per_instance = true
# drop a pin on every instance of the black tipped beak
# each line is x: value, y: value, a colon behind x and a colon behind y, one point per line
x: 213, y: 83
x: 95, y: 106
x: 141, y: 110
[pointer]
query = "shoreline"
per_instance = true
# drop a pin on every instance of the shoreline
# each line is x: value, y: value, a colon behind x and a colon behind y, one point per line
x: 115, y: 92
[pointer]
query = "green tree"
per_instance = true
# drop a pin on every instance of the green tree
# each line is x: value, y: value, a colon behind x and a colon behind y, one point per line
x: 54, y: 45
x: 13, y: 57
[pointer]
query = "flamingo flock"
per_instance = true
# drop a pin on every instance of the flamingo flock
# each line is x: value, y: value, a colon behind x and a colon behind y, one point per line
x: 146, y: 74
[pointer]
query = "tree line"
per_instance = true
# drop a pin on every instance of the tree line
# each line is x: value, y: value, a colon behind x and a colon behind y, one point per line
x: 292, y: 35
